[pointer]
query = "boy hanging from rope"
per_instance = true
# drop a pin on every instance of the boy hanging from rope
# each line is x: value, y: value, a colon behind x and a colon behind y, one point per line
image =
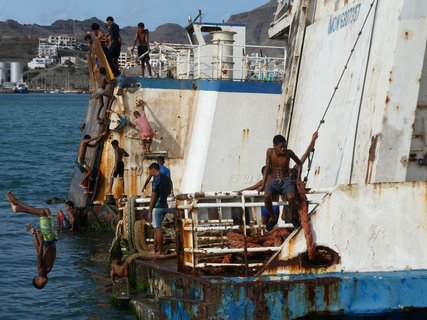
x: 281, y: 183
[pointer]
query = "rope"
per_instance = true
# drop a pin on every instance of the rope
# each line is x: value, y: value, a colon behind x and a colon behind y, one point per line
x: 140, y: 242
x: 131, y: 223
x: 363, y: 92
x: 310, y: 161
x: 305, y: 221
x: 146, y: 256
x: 117, y: 236
x: 322, y: 121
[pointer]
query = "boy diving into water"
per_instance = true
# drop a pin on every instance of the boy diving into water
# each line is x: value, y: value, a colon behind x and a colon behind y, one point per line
x: 44, y: 238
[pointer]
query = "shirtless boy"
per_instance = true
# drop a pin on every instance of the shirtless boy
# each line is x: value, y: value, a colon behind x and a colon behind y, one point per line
x: 65, y: 223
x: 119, y: 166
x: 44, y: 239
x: 142, y: 39
x: 281, y: 183
x: 101, y: 92
x: 81, y: 163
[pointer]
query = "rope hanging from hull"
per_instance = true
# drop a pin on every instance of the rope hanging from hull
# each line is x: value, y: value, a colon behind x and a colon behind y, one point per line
x: 305, y: 221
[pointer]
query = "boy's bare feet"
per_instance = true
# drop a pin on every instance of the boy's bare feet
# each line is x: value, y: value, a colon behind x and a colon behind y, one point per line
x: 13, y: 201
x: 83, y: 186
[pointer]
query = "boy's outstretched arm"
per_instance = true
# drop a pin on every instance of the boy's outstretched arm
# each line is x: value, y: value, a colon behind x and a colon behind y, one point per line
x: 254, y: 187
x: 125, y: 154
x: 36, y: 239
x: 96, y: 139
x: 310, y: 147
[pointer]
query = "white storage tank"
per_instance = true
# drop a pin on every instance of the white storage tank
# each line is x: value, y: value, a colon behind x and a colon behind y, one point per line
x: 16, y: 71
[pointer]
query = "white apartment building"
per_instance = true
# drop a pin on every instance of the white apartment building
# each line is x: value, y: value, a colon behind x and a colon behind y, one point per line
x: 63, y: 41
x: 40, y: 63
x: 47, y: 50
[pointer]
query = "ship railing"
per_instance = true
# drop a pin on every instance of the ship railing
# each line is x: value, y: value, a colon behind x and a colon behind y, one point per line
x: 222, y: 61
x: 205, y: 220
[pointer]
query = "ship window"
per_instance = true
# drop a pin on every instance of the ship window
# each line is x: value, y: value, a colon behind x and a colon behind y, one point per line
x: 210, y: 29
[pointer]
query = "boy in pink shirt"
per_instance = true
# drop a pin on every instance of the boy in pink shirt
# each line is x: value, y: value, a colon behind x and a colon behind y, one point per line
x: 146, y: 132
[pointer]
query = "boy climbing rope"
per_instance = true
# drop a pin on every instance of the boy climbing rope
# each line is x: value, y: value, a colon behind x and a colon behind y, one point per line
x: 44, y: 238
x: 281, y: 183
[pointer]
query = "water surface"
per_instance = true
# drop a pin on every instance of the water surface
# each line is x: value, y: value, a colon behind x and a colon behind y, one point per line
x: 39, y: 136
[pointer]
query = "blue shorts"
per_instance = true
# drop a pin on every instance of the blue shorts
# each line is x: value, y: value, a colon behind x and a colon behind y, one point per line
x: 65, y: 224
x: 281, y: 186
x: 159, y: 215
x: 264, y: 211
x: 48, y: 243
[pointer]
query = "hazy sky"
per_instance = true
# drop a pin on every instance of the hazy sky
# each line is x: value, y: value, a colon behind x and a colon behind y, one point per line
x: 125, y: 12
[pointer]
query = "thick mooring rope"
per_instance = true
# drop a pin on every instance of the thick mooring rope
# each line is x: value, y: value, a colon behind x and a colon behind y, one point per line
x: 140, y: 242
x: 305, y: 221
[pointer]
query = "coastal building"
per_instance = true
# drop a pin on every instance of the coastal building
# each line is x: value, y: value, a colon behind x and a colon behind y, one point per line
x: 40, y: 63
x: 76, y: 61
x: 47, y: 50
x: 62, y: 41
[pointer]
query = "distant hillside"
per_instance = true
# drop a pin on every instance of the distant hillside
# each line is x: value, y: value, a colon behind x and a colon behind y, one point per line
x: 165, y: 33
x: 257, y: 22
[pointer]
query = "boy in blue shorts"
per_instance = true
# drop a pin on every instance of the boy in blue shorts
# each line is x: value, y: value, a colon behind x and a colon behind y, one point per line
x: 161, y: 188
x: 281, y: 183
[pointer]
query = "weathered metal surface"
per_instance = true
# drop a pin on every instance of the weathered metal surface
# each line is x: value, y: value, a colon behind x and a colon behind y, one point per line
x: 91, y: 127
x: 373, y: 227
x: 172, y: 108
x: 277, y: 297
x: 387, y: 108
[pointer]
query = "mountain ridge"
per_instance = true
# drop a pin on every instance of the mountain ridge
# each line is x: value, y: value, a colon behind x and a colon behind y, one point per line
x: 257, y: 22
